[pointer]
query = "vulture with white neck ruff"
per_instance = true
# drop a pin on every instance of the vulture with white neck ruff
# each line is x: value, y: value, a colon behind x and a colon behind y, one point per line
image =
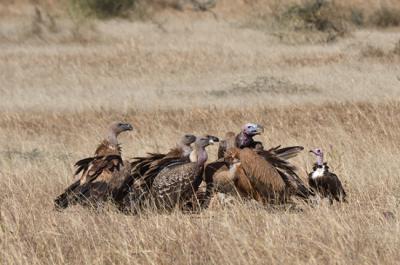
x: 176, y: 184
x: 326, y: 183
x: 137, y: 185
x: 222, y: 178
x: 100, y: 176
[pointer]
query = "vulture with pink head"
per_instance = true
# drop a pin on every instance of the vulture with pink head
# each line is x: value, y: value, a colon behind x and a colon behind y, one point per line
x: 219, y: 175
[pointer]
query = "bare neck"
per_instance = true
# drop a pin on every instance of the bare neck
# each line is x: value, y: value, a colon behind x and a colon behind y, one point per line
x: 243, y: 140
x: 111, y: 137
x: 199, y: 155
x: 186, y: 149
x: 320, y: 160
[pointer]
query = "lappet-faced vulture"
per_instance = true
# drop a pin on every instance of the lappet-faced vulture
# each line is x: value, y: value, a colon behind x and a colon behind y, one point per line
x: 145, y: 169
x: 324, y: 182
x: 223, y: 179
x: 100, y: 176
x: 176, y: 184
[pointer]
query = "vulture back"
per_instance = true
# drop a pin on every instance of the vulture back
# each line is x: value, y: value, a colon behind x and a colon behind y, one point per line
x: 263, y: 176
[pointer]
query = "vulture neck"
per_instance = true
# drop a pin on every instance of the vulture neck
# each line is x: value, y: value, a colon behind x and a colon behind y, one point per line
x: 320, y: 160
x: 186, y: 150
x: 243, y: 140
x: 111, y: 137
x: 199, y: 155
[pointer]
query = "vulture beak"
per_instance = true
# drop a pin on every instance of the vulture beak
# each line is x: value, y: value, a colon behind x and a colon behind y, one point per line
x: 212, y: 139
x: 128, y: 127
x: 259, y: 129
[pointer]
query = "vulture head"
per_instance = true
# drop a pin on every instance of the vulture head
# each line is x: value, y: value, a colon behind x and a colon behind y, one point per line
x: 187, y: 139
x: 320, y: 155
x: 115, y: 129
x: 252, y: 129
x: 199, y: 153
x: 206, y: 140
x: 212, y: 139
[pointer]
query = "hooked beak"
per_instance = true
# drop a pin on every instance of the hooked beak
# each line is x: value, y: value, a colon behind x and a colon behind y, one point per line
x: 212, y: 139
x: 259, y: 129
x: 128, y: 127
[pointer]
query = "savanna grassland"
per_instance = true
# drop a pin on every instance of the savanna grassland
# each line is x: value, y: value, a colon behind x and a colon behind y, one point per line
x: 63, y: 78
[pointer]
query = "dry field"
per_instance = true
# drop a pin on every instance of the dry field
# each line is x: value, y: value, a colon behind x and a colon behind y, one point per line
x: 189, y: 72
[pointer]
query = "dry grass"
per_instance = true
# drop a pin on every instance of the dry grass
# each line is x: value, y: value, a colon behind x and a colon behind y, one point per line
x: 200, y: 76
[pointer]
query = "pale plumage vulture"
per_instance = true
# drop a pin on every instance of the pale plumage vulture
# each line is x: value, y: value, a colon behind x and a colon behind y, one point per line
x: 176, y: 184
x: 99, y: 177
x: 144, y: 170
x: 224, y: 180
x: 324, y: 182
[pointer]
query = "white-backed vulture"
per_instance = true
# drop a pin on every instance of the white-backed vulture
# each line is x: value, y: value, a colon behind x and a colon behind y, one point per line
x: 100, y: 176
x: 144, y: 170
x: 176, y: 184
x: 324, y: 182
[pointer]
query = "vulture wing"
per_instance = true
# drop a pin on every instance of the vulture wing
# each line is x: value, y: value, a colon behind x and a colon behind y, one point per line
x: 94, y: 184
x: 264, y: 177
x: 277, y: 157
x: 176, y: 184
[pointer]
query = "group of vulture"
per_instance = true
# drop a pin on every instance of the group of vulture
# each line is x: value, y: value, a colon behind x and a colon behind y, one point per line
x: 181, y: 179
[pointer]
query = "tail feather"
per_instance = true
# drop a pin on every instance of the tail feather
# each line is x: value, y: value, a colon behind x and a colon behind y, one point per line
x: 286, y: 152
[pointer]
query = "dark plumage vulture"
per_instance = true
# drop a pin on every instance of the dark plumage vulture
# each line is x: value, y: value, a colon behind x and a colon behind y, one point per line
x: 176, y: 184
x: 324, y: 182
x: 219, y: 174
x: 136, y: 187
x: 100, y: 176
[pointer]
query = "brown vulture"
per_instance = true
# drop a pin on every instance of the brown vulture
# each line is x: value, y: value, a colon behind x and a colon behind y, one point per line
x: 261, y: 179
x: 136, y: 187
x: 324, y: 182
x: 100, y: 176
x: 176, y: 184
x: 218, y: 174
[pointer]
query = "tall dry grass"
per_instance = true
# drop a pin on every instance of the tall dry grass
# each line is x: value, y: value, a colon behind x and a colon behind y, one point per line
x: 194, y: 73
x: 38, y: 149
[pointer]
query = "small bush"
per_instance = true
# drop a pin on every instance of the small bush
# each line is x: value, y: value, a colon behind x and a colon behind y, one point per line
x: 386, y: 17
x: 317, y: 16
x: 102, y: 8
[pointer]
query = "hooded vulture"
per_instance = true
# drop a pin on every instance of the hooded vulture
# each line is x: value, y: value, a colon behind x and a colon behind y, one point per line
x: 144, y: 169
x: 176, y: 184
x: 324, y: 182
x: 98, y: 177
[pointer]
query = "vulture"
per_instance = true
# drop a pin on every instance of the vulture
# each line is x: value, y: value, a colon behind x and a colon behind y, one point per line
x: 324, y: 182
x: 265, y: 180
x: 219, y: 176
x: 136, y: 186
x: 176, y: 184
x: 98, y: 178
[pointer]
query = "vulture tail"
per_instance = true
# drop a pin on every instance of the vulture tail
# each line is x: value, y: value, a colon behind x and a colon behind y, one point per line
x: 62, y: 201
x: 294, y: 182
